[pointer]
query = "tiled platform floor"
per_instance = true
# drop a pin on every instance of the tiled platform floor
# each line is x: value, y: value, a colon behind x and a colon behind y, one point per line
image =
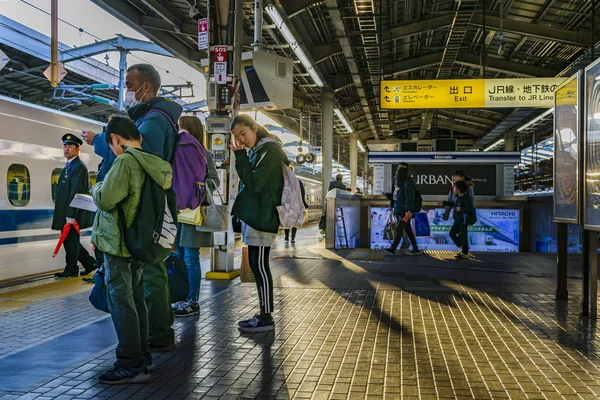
x: 424, y: 327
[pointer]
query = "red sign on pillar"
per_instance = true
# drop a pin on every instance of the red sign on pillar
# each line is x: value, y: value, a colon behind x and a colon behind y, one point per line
x: 220, y: 64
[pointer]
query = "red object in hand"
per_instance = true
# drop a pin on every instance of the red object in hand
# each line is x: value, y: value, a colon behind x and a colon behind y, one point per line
x: 63, y: 236
x: 406, y: 218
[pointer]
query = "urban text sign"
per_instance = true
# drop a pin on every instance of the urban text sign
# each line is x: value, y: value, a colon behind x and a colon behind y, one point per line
x: 469, y: 93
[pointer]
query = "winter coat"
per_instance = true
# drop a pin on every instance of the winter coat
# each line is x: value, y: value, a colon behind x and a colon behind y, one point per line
x: 336, y: 185
x: 261, y: 176
x: 466, y: 207
x: 157, y: 131
x: 406, y: 197
x: 122, y: 187
x: 188, y: 235
x: 303, y: 194
x: 74, y: 179
x: 470, y: 192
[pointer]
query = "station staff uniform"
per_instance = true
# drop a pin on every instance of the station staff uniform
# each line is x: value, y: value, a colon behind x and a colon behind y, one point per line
x: 73, y: 179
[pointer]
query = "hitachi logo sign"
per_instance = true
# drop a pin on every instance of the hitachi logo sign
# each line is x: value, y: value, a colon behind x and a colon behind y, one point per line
x: 434, y: 180
x: 503, y: 214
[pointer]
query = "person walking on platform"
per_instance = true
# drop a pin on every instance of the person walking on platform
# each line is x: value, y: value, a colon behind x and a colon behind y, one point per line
x: 261, y: 176
x: 405, y: 205
x: 198, y: 168
x: 74, y: 179
x: 155, y: 118
x: 463, y: 211
x: 118, y: 197
x: 303, y: 193
x: 338, y: 183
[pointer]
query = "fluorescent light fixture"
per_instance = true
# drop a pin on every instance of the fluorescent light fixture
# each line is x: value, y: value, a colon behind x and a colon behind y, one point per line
x: 294, y: 45
x: 344, y: 120
x: 360, y: 146
x: 536, y: 119
x: 491, y: 146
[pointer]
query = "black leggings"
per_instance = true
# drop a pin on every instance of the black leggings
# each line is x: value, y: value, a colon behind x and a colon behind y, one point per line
x: 287, y: 233
x: 401, y: 229
x: 259, y: 264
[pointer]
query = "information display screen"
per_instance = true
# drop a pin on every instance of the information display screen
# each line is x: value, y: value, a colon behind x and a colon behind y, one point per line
x: 566, y: 142
x: 496, y: 230
x: 592, y: 153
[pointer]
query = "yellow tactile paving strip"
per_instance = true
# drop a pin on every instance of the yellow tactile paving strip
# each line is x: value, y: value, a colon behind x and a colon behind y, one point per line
x: 58, y: 289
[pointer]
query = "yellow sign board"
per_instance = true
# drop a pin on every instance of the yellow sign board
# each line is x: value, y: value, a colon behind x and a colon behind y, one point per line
x: 469, y: 93
x: 567, y: 95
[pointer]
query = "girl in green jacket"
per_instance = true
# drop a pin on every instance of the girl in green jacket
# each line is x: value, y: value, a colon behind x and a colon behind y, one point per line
x: 261, y: 175
x: 122, y: 188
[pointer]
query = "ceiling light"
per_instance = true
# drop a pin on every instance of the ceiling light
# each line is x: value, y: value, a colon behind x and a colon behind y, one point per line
x: 491, y: 146
x: 344, y: 120
x: 536, y: 119
x: 294, y: 45
x: 501, y: 49
x: 361, y: 147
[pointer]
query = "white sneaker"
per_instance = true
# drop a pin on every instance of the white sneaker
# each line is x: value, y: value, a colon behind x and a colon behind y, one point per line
x: 178, y: 305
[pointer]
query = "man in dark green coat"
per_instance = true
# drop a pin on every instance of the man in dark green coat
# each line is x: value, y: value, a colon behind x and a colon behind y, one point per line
x: 73, y: 180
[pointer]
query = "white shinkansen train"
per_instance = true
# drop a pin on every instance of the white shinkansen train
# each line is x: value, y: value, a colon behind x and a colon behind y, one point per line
x: 31, y: 160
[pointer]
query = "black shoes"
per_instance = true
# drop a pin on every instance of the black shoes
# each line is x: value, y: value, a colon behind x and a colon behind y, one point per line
x: 88, y: 270
x: 65, y: 274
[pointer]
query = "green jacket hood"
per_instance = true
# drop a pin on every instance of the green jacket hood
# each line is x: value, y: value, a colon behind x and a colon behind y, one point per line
x: 158, y: 169
x: 272, y: 145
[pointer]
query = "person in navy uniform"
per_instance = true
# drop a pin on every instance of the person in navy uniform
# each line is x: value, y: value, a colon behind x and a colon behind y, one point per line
x: 74, y: 179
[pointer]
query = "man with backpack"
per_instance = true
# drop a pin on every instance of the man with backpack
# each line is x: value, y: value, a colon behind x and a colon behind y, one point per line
x: 130, y: 197
x: 155, y: 117
x: 406, y: 202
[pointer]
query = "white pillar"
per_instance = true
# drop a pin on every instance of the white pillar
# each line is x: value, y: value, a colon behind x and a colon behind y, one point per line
x: 365, y: 172
x: 326, y: 140
x: 353, y: 160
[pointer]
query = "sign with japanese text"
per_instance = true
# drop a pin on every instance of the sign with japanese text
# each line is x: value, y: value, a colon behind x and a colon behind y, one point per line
x: 220, y: 64
x: 203, y: 34
x: 378, y: 179
x: 469, y: 93
x: 567, y: 137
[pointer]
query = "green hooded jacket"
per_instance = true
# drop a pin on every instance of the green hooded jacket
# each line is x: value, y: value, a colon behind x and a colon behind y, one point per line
x: 123, y: 186
x: 261, y: 176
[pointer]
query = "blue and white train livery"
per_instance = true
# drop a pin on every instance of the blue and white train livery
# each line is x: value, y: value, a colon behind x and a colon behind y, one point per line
x: 31, y: 160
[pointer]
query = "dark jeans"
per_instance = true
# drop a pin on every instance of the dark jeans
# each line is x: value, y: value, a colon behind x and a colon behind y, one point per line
x: 258, y: 258
x: 287, y: 233
x: 158, y: 301
x: 402, y: 228
x: 460, y: 235
x: 76, y: 252
x: 124, y: 280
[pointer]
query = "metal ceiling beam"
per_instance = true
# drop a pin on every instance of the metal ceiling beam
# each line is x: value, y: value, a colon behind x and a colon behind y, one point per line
x: 340, y: 32
x: 460, y: 116
x: 115, y: 44
x: 162, y: 25
x: 505, y: 66
x: 322, y: 53
x: 581, y: 39
x: 131, y: 16
x: 295, y: 7
x: 425, y: 25
x: 412, y: 64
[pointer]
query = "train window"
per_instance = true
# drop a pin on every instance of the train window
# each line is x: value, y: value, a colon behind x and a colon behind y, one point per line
x: 54, y: 182
x: 92, y: 176
x: 19, y: 186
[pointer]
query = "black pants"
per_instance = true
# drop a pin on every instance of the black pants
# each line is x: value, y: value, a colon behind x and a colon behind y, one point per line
x: 460, y: 235
x: 259, y: 264
x: 76, y: 252
x: 404, y: 227
x: 287, y: 233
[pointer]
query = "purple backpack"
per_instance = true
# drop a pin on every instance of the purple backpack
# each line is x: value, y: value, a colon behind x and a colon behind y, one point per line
x: 189, y: 172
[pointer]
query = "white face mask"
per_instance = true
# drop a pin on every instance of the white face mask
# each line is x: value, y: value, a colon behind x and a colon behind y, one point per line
x: 130, y: 100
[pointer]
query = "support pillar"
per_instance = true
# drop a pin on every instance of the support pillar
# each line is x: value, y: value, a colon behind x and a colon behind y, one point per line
x: 562, y: 292
x: 327, y: 105
x: 122, y: 69
x: 593, y: 275
x: 366, y: 172
x: 54, y: 43
x: 509, y: 141
x: 585, y: 272
x: 353, y: 160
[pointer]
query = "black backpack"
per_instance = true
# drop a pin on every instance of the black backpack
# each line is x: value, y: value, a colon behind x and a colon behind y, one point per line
x: 418, y: 201
x: 179, y: 285
x: 151, y: 237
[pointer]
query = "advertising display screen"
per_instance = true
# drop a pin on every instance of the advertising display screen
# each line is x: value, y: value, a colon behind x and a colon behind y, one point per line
x: 496, y: 230
x: 592, y: 142
x: 566, y: 142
